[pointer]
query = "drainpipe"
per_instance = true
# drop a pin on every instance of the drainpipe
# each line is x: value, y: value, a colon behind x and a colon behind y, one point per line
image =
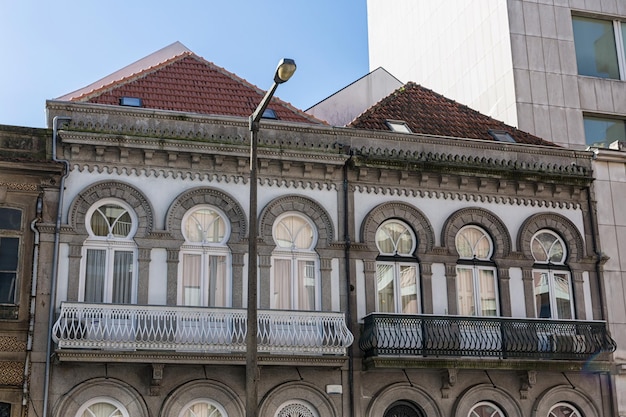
x: 55, y: 257
x: 32, y: 305
x: 346, y: 230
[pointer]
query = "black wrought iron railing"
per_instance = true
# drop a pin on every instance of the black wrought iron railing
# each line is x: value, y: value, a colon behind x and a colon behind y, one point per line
x: 427, y: 335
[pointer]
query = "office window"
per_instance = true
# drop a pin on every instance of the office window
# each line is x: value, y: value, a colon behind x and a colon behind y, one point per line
x: 600, y: 47
x: 601, y: 131
x: 295, y: 264
x: 564, y: 410
x: 476, y: 273
x: 109, y: 261
x: 551, y: 278
x: 204, y: 270
x: 10, y: 233
x: 396, y: 269
x: 485, y: 409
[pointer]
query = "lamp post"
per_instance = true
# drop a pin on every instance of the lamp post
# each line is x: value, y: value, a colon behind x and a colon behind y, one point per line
x: 284, y: 71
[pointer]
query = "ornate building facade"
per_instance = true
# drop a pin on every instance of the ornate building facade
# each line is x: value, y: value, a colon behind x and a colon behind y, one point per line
x: 399, y: 272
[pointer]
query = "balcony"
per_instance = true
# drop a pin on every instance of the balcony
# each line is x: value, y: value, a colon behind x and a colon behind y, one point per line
x: 500, y: 338
x: 119, y: 328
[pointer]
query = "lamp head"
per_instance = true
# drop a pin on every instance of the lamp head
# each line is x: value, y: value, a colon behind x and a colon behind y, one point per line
x: 285, y: 69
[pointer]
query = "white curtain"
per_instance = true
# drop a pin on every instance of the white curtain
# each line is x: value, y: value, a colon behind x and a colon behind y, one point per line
x: 217, y: 281
x: 465, y: 291
x: 102, y: 410
x: 488, y: 302
x: 306, y: 285
x: 122, y: 277
x: 408, y: 288
x: 385, y: 288
x: 94, y: 277
x: 282, y: 284
x: 191, y: 279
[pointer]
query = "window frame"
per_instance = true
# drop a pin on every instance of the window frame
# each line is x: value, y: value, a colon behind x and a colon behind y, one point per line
x: 397, y: 261
x: 110, y: 246
x: 477, y: 266
x: 213, y: 403
x: 574, y: 411
x: 472, y: 413
x: 17, y: 235
x: 295, y: 256
x: 98, y: 400
x: 551, y: 269
x: 205, y: 250
x: 619, y: 35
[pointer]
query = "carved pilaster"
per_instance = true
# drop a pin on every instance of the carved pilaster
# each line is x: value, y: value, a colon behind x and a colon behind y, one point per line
x: 527, y: 281
x: 143, y: 276
x: 74, y: 255
x: 451, y: 285
x: 172, y: 276
x: 505, y: 291
x: 426, y: 273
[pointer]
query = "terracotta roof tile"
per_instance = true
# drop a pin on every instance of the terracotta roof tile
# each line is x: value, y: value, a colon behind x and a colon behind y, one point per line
x: 186, y: 83
x: 427, y: 112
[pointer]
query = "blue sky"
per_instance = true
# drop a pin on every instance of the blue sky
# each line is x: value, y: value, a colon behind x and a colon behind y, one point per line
x: 50, y: 48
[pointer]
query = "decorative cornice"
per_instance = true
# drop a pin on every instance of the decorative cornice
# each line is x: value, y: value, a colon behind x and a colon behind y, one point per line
x: 469, y: 196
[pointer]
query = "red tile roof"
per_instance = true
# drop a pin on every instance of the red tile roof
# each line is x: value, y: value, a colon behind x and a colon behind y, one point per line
x: 427, y: 112
x: 174, y: 78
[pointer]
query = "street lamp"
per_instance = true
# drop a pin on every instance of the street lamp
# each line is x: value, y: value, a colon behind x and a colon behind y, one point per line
x: 284, y: 71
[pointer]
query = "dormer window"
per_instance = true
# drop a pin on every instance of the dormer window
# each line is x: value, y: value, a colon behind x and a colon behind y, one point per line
x: 131, y: 101
x: 399, y: 126
x: 502, y: 136
x: 269, y: 114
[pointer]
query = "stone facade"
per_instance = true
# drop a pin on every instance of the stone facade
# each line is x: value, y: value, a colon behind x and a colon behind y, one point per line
x: 346, y: 186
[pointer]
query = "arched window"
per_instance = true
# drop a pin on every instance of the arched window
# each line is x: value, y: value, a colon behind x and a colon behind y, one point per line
x: 486, y: 409
x: 551, y: 277
x: 403, y: 409
x: 396, y: 269
x: 476, y: 273
x: 295, y: 264
x: 296, y: 409
x: 109, y: 254
x: 203, y: 408
x: 564, y: 410
x: 102, y: 407
x: 204, y: 267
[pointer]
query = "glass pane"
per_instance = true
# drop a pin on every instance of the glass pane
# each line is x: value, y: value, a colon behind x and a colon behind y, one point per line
x: 488, y: 301
x: 465, y: 291
x: 542, y: 294
x: 282, y: 284
x: 408, y: 288
x: 596, y: 53
x: 7, y: 287
x: 205, y: 226
x: 385, y: 288
x: 9, y: 247
x: 102, y: 410
x: 122, y: 277
x: 293, y: 232
x: 601, y: 132
x: 10, y: 219
x: 563, y: 410
x: 191, y: 280
x: 563, y: 296
x: 547, y: 247
x: 202, y: 410
x: 5, y: 410
x: 395, y: 238
x: 486, y: 410
x: 306, y: 285
x: 472, y: 242
x: 111, y: 220
x: 218, y: 289
x: 94, y: 276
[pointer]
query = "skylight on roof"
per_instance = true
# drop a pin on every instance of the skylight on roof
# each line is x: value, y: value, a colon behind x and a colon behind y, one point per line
x: 269, y: 114
x: 130, y: 101
x: 399, y: 126
x: 501, y: 136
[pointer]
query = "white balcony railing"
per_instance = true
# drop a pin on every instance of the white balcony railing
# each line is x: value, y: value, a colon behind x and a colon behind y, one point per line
x: 197, y: 329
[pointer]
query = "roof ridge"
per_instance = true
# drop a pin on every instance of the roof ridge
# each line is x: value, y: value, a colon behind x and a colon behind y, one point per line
x: 165, y: 54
